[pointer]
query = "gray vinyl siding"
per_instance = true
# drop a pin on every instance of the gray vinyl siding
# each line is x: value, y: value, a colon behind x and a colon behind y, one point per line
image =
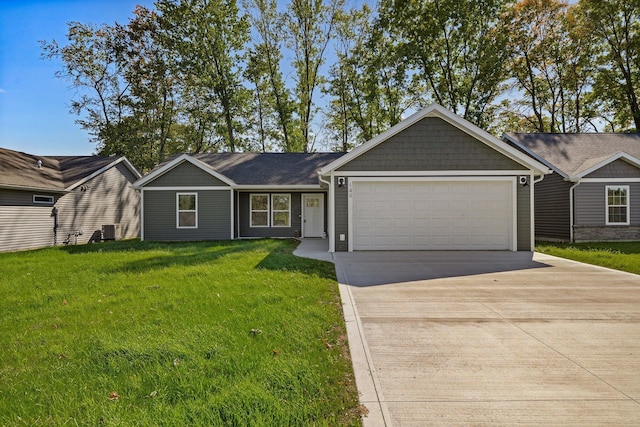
x: 185, y: 175
x: 590, y: 204
x: 341, y: 216
x: 616, y: 169
x: 296, y: 217
x: 214, y: 216
x: 431, y: 145
x: 523, y: 220
x: 552, y: 210
x: 107, y: 199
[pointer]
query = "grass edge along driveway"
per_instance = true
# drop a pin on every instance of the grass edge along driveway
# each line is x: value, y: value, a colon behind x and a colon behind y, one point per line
x: 207, y: 333
x: 623, y: 256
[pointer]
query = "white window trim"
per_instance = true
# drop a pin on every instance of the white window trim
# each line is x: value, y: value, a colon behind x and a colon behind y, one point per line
x: 51, y: 200
x: 606, y: 204
x: 268, y: 211
x: 273, y: 211
x: 178, y: 210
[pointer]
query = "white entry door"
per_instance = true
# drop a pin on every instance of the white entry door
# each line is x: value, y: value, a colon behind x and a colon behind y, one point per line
x: 313, y: 215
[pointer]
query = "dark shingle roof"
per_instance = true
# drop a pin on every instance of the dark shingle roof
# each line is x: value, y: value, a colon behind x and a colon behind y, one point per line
x: 571, y: 153
x: 56, y: 173
x: 269, y: 168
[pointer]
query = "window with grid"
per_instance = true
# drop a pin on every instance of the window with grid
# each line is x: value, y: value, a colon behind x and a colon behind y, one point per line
x: 259, y: 207
x: 281, y: 210
x: 618, y: 205
x: 187, y: 215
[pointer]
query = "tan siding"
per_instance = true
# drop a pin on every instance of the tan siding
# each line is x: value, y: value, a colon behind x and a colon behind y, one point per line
x: 185, y: 175
x: 25, y: 227
x: 22, y: 198
x: 109, y: 199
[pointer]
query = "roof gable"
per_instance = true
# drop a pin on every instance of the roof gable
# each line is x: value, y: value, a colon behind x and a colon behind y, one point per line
x: 53, y: 173
x: 590, y: 166
x: 437, y: 111
x: 574, y: 156
x: 165, y: 168
x: 432, y: 144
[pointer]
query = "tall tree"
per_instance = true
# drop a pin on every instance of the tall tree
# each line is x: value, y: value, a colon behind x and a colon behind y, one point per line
x: 207, y: 39
x: 550, y: 65
x: 614, y: 26
x: 310, y: 26
x: 455, y: 51
x: 266, y: 74
x: 367, y: 83
x: 153, y: 89
x: 92, y: 64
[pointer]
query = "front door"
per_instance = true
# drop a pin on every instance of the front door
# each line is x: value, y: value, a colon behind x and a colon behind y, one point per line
x: 313, y: 215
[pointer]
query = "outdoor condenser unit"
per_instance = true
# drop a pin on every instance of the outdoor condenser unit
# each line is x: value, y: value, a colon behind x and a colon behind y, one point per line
x: 111, y: 232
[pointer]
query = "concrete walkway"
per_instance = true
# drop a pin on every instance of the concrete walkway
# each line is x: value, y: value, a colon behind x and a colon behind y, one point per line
x: 491, y: 338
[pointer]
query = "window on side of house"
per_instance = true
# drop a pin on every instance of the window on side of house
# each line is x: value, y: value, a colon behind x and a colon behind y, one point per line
x: 187, y: 212
x: 281, y: 210
x: 617, y: 204
x: 43, y: 200
x: 259, y: 210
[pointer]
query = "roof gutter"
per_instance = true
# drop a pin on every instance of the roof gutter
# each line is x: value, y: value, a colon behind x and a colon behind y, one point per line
x: 25, y: 188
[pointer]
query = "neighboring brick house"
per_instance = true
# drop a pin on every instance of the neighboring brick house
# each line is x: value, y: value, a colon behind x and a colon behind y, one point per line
x: 594, y: 191
x: 45, y: 200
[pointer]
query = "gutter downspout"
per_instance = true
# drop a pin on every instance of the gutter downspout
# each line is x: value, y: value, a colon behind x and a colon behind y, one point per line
x: 330, y: 226
x: 571, y: 208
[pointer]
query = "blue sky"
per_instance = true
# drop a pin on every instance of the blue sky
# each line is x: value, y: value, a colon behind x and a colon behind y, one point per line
x: 34, y: 104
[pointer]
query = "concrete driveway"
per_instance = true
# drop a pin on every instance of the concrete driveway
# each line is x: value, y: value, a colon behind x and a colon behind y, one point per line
x: 478, y: 338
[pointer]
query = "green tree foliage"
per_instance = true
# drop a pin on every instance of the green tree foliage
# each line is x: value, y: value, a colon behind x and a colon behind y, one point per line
x: 455, y: 50
x: 206, y: 39
x: 367, y: 82
x: 549, y: 65
x: 614, y: 27
x: 309, y: 25
x: 272, y: 98
x: 203, y: 75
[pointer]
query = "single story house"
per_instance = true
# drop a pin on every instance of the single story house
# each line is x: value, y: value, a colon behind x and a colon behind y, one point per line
x: 593, y: 193
x: 432, y: 182
x: 47, y: 200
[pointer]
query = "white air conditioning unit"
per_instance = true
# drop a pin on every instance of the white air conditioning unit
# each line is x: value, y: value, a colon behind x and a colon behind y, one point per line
x: 111, y: 232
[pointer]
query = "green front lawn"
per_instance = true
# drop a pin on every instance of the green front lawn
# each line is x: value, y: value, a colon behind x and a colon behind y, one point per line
x: 130, y: 333
x: 623, y: 256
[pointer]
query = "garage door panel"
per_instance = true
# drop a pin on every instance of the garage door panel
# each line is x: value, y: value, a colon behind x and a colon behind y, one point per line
x: 432, y: 215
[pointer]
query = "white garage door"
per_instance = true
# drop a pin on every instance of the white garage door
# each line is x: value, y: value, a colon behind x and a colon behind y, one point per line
x: 432, y: 215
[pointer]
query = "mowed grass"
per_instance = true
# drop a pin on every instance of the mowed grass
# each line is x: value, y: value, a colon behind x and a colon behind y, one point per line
x: 130, y: 333
x: 624, y: 256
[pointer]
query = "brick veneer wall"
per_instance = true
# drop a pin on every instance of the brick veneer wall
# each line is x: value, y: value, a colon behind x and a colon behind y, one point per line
x: 606, y: 233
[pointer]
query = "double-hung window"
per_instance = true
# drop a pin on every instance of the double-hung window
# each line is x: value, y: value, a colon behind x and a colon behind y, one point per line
x: 187, y: 212
x: 281, y: 210
x: 617, y: 204
x: 270, y: 210
x: 259, y: 206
